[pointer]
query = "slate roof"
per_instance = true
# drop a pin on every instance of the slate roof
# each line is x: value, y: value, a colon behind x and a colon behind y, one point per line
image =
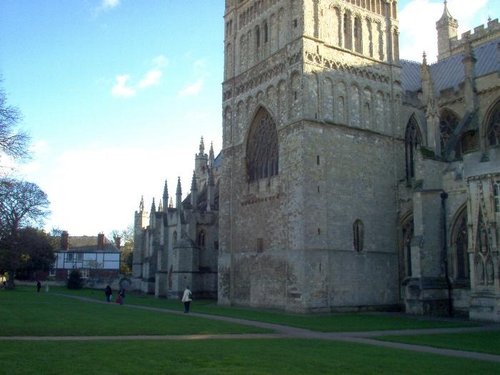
x: 449, y: 73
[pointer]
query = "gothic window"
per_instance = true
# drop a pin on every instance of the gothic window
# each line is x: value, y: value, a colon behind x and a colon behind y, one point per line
x: 257, y: 37
x: 266, y: 33
x: 201, y: 239
x: 358, y: 35
x: 493, y: 132
x: 358, y: 235
x: 459, y: 247
x: 448, y: 121
x: 412, y: 140
x: 496, y: 195
x: 262, y: 147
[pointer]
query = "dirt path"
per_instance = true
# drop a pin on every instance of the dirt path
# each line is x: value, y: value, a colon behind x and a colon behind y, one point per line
x: 282, y: 331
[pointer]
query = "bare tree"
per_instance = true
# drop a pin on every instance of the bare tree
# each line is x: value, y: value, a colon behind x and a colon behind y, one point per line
x: 12, y: 143
x: 22, y: 204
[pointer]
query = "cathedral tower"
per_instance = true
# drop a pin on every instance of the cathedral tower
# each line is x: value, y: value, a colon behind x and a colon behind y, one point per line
x: 310, y: 96
x: 447, y: 27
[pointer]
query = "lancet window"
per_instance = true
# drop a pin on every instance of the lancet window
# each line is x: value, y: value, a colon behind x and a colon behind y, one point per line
x: 448, y: 121
x: 412, y: 140
x: 358, y: 235
x: 459, y: 247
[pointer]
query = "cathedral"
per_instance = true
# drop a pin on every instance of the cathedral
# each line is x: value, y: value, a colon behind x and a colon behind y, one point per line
x: 349, y: 179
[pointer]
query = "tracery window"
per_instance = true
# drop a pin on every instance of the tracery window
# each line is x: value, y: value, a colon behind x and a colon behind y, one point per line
x: 448, y: 121
x: 493, y: 132
x: 262, y: 147
x: 412, y: 140
x: 358, y: 234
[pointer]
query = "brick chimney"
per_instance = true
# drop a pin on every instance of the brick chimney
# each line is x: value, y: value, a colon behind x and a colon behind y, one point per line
x: 118, y: 241
x: 64, y: 240
x: 100, y: 241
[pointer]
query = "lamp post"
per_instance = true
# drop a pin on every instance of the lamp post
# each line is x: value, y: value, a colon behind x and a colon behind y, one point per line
x: 444, y: 253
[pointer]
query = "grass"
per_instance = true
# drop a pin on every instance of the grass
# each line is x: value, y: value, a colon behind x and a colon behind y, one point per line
x: 483, y: 342
x: 208, y: 357
x: 24, y: 312
x: 321, y: 323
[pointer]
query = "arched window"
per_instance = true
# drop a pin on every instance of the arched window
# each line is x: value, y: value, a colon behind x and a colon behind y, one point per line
x: 262, y: 147
x: 347, y: 31
x: 448, y: 122
x: 493, y: 132
x: 412, y: 140
x: 358, y: 234
x: 459, y: 247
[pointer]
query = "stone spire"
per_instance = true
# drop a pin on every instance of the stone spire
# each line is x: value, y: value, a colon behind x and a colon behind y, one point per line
x: 141, y: 204
x: 446, y: 27
x: 469, y: 62
x: 152, y: 215
x: 165, y: 196
x: 202, y: 147
x: 178, y: 194
x: 211, y: 157
x: 160, y: 206
x: 428, y: 99
x: 194, y: 192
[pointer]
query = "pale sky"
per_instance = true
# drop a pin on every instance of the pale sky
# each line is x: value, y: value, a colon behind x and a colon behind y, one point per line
x: 116, y: 94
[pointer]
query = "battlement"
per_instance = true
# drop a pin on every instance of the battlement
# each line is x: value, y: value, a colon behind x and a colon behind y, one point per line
x: 479, y: 35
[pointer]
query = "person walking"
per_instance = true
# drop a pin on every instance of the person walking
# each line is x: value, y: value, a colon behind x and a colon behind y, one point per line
x: 121, y: 296
x: 38, y: 286
x: 186, y: 299
x: 109, y: 293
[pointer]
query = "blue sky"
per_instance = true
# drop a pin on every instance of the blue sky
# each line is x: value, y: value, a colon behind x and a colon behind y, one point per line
x: 117, y: 93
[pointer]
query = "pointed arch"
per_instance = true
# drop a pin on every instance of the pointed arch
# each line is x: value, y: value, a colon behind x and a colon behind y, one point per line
x: 493, y: 126
x: 459, y: 245
x: 413, y: 139
x: 262, y: 154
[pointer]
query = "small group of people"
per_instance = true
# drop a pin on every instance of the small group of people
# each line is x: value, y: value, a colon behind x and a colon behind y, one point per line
x: 108, y: 292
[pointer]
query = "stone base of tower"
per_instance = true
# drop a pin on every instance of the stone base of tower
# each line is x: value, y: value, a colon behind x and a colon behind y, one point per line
x: 309, y: 280
x: 485, y: 306
x: 427, y: 296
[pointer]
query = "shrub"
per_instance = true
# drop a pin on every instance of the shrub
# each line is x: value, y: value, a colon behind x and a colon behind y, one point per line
x: 75, y: 280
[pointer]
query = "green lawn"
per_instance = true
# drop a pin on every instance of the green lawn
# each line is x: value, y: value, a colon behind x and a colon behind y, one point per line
x: 484, y: 342
x: 286, y: 357
x: 24, y: 312
x: 322, y: 323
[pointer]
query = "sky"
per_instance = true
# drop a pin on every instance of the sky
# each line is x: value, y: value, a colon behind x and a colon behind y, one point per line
x: 116, y: 94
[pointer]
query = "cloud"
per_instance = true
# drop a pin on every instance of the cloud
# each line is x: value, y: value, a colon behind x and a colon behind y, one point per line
x: 109, y: 4
x: 152, y: 77
x: 192, y: 89
x: 417, y: 22
x: 120, y: 89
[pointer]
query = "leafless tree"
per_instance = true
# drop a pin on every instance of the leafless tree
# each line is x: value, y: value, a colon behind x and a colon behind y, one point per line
x: 12, y: 142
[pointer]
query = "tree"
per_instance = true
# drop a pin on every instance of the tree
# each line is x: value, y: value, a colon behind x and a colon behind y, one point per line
x: 75, y: 280
x: 35, y: 251
x: 126, y: 238
x: 12, y: 143
x: 22, y: 204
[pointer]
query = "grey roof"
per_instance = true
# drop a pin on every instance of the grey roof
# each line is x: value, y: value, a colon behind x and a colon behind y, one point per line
x: 449, y: 73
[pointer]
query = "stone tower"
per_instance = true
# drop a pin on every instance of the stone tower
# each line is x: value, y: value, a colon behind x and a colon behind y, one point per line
x: 307, y: 199
x: 447, y: 27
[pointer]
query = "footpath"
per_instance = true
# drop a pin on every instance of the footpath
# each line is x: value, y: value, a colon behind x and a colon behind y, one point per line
x: 287, y: 332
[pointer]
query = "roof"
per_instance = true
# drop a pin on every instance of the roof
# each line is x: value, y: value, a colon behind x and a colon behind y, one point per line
x: 449, y: 73
x: 86, y: 244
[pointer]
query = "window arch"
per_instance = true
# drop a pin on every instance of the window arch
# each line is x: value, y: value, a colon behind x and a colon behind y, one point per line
x: 262, y: 147
x: 493, y: 126
x: 459, y: 241
x: 405, y: 248
x: 358, y: 233
x: 412, y: 140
